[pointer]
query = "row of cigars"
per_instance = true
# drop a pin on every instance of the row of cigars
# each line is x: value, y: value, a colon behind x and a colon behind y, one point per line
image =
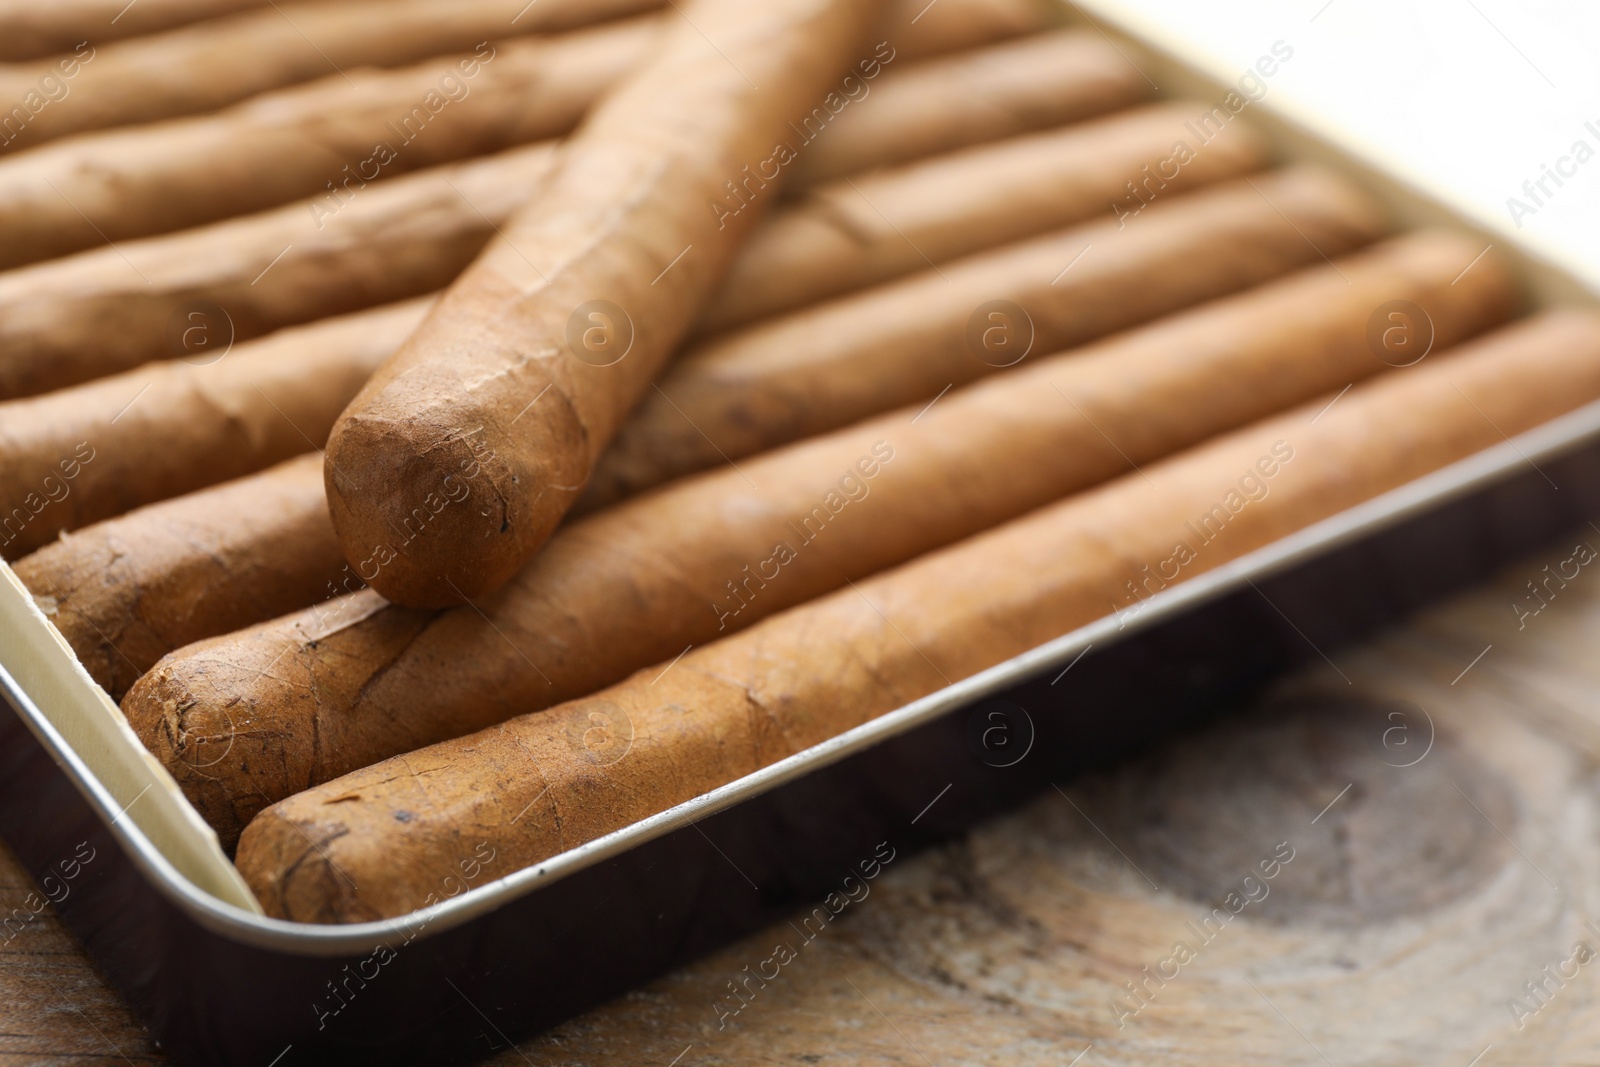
x: 833, y: 501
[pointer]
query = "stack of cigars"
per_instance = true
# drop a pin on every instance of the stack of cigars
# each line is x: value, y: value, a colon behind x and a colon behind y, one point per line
x: 441, y: 425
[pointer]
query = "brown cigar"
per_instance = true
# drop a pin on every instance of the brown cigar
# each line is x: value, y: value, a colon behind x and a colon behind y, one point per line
x: 212, y: 64
x: 107, y: 310
x: 599, y: 277
x: 370, y: 844
x: 922, y: 30
x: 335, y: 136
x: 860, y: 231
x: 1043, y: 80
x: 127, y: 591
x: 825, y: 367
x: 355, y: 680
x: 171, y: 428
x: 29, y: 30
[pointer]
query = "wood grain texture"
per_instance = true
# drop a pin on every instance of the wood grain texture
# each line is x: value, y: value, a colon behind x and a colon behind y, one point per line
x: 55, y: 1008
x: 1429, y: 884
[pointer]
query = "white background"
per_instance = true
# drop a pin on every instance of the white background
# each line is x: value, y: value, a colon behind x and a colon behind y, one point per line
x: 1466, y: 97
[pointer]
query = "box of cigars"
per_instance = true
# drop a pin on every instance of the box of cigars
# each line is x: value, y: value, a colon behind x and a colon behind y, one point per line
x: 936, y: 401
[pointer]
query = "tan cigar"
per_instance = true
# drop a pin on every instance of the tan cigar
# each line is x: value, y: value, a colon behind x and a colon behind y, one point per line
x: 827, y: 366
x: 212, y: 64
x: 860, y: 231
x: 84, y: 454
x: 370, y: 844
x: 1042, y: 80
x: 127, y: 591
x: 29, y: 29
x: 333, y: 137
x: 921, y: 30
x: 599, y: 277
x: 355, y: 680
x: 108, y: 309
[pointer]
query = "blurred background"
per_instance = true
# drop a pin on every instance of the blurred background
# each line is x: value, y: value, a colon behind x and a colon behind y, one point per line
x: 1471, y: 98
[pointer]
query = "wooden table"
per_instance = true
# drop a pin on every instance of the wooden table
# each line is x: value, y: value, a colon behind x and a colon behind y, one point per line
x: 54, y: 1006
x: 1426, y: 808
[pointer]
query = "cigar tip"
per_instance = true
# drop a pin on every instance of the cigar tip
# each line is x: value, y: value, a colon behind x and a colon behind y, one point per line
x: 175, y: 725
x: 199, y: 710
x: 288, y: 863
x: 435, y: 507
x: 151, y: 708
x: 424, y: 514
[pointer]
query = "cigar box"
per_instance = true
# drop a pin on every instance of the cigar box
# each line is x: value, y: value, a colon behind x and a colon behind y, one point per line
x: 145, y: 886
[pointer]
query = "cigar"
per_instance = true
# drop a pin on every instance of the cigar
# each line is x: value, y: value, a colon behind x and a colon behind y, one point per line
x: 850, y: 234
x: 920, y: 30
x: 827, y: 366
x: 647, y: 204
x: 29, y: 30
x: 369, y: 845
x: 334, y: 137
x: 170, y: 428
x: 127, y: 591
x: 209, y: 65
x: 88, y: 315
x: 984, y: 95
x: 355, y: 680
